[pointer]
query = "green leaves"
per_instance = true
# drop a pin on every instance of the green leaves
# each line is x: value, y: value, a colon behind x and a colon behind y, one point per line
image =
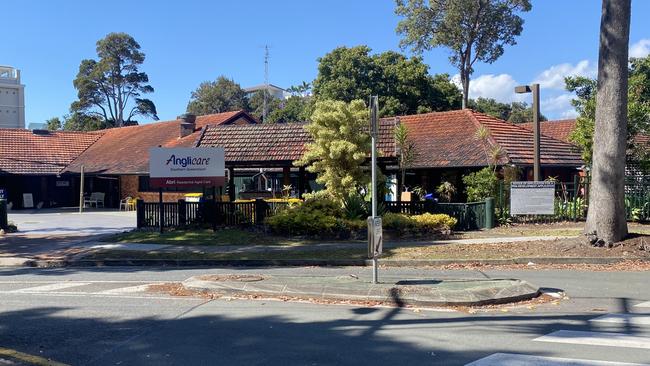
x: 403, y: 84
x: 111, y: 87
x: 221, y: 95
x: 341, y: 145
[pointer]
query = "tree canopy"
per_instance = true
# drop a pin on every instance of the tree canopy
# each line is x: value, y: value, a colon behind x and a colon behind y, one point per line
x: 515, y: 112
x: 473, y: 30
x: 111, y: 88
x: 340, y: 146
x: 221, y: 95
x: 638, y: 109
x: 403, y: 84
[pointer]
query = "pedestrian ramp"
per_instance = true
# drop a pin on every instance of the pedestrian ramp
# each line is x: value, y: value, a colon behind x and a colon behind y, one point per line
x: 620, y: 340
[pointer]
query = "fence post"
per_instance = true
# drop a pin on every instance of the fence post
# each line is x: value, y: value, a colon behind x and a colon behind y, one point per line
x: 489, y: 213
x: 260, y: 211
x: 139, y: 213
x: 4, y: 221
x: 182, y: 213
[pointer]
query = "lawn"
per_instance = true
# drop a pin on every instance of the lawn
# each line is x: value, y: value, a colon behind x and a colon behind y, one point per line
x: 200, y: 237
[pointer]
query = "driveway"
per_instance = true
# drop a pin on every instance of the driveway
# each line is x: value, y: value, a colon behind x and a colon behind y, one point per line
x: 58, y: 222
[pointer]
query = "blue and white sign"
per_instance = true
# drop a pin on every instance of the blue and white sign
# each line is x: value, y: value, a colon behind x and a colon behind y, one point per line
x: 3, y: 194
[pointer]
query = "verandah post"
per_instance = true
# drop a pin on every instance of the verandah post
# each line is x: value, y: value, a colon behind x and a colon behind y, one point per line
x: 161, y: 210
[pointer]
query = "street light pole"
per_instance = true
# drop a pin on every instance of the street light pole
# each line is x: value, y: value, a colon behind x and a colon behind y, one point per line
x: 534, y: 88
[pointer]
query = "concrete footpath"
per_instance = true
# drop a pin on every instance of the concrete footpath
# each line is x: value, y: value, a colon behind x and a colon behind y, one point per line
x: 414, y: 292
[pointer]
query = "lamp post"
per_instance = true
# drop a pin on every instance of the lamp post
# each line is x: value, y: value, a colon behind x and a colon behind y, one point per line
x: 534, y: 88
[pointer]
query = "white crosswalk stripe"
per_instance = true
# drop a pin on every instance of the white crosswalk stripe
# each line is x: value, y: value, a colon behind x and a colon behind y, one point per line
x: 50, y: 287
x: 631, y: 319
x: 511, y: 359
x: 125, y: 290
x: 596, y: 339
x: 585, y: 338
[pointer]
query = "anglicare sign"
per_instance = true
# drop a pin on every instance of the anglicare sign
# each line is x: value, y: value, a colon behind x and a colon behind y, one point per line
x: 532, y: 198
x: 186, y: 167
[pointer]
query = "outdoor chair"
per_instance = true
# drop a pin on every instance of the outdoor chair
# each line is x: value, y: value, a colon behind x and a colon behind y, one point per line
x: 128, y: 203
x: 96, y: 198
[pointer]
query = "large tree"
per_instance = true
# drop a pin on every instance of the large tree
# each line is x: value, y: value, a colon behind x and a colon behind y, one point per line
x: 606, y: 223
x: 340, y: 146
x: 473, y: 30
x: 403, y: 84
x: 638, y: 110
x: 221, y: 95
x: 111, y: 87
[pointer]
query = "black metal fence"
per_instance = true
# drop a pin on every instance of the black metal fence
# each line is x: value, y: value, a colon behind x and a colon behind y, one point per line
x: 4, y: 221
x: 470, y: 216
x: 181, y: 213
x: 572, y: 201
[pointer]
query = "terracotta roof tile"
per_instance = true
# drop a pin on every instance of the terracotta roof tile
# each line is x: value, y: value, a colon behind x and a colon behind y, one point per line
x: 276, y: 142
x: 125, y: 150
x: 446, y: 139
x: 27, y: 152
x: 557, y: 129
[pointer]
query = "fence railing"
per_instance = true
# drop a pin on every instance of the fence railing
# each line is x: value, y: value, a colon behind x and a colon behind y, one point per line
x: 572, y: 201
x: 470, y: 216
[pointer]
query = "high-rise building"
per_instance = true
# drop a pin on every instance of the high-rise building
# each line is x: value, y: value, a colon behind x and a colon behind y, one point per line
x: 12, y: 98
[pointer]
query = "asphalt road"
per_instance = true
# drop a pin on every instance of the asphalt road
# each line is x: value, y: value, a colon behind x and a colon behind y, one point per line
x: 104, y: 317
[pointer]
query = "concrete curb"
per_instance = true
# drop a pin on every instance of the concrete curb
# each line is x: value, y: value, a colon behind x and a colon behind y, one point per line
x: 476, y: 293
x: 108, y: 262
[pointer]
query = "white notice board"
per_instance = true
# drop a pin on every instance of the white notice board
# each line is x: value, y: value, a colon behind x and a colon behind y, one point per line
x: 532, y: 198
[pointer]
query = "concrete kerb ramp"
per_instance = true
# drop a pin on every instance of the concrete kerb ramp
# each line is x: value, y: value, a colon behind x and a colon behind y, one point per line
x: 413, y: 292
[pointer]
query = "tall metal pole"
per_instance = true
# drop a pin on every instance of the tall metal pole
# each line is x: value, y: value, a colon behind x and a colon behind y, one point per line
x: 536, y: 132
x: 374, y: 111
x: 81, y: 191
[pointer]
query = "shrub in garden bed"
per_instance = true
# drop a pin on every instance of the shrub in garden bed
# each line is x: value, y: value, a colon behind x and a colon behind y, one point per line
x: 400, y: 225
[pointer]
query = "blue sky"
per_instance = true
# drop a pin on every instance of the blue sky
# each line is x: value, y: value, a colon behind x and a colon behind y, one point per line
x: 192, y: 41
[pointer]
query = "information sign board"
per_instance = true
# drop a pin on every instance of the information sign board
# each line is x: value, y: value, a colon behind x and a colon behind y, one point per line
x: 532, y: 198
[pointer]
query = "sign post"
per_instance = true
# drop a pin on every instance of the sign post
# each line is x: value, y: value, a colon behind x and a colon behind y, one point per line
x: 375, y: 243
x: 185, y: 168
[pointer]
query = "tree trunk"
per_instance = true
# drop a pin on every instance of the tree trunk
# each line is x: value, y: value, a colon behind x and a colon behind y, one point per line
x: 606, y: 223
x: 464, y: 80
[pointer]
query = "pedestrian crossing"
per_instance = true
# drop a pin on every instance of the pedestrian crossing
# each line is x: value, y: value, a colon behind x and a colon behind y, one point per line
x: 614, y: 340
x: 79, y: 288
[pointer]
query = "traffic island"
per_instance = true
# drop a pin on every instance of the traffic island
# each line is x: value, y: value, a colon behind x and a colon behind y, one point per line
x: 405, y: 292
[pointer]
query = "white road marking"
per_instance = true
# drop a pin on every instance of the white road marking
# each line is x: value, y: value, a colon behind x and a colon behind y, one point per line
x: 643, y: 304
x: 124, y: 290
x: 50, y: 287
x: 596, y: 339
x: 511, y: 359
x: 633, y: 319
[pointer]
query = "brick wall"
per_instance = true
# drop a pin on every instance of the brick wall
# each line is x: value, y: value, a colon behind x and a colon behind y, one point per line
x: 129, y: 188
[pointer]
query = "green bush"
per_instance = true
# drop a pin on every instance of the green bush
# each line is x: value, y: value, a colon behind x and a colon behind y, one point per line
x: 480, y: 185
x: 316, y: 216
x: 434, y: 222
x: 404, y: 225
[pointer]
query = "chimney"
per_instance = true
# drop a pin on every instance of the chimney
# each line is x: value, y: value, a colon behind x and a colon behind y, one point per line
x: 188, y: 124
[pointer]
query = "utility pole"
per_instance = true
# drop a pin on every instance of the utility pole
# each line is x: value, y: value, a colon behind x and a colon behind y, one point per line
x: 266, y: 81
x: 375, y: 240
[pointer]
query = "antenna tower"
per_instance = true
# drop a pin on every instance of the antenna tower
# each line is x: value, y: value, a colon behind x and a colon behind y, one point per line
x: 266, y: 81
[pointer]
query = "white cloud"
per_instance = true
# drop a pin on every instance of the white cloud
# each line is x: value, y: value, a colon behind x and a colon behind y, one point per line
x: 558, y: 106
x: 500, y: 87
x: 553, y: 77
x: 640, y: 49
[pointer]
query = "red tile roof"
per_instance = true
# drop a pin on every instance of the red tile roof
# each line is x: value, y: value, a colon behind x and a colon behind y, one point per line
x: 281, y: 142
x: 125, y: 150
x: 27, y: 152
x: 557, y: 129
x: 446, y: 139
x: 518, y: 144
